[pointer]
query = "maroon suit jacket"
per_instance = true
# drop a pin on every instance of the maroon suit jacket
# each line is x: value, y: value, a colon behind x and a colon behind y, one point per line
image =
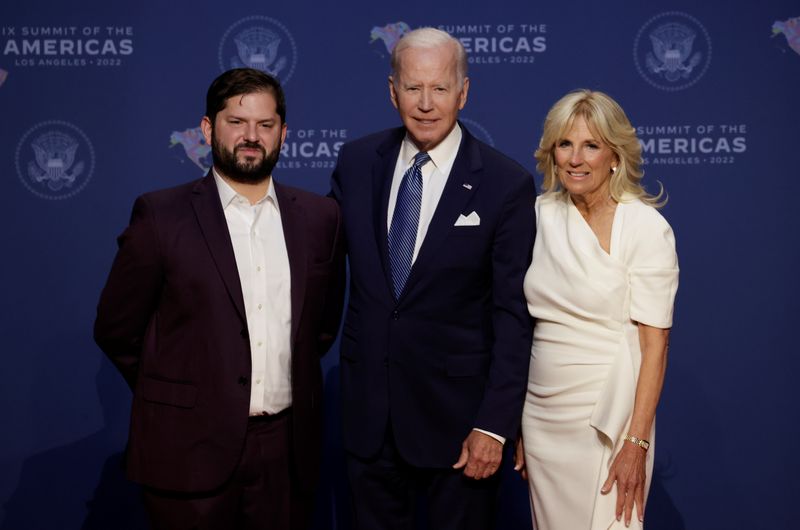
x: 171, y: 318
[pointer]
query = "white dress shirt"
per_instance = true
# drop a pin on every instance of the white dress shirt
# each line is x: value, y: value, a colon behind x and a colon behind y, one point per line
x: 434, y: 177
x: 263, y: 264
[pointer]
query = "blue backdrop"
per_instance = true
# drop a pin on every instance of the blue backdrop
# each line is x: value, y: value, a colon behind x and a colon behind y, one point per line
x: 100, y: 101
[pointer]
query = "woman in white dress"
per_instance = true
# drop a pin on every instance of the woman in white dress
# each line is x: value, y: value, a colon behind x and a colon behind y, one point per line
x: 601, y: 286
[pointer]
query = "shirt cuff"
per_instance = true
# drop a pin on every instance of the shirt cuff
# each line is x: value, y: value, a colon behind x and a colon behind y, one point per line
x: 497, y: 437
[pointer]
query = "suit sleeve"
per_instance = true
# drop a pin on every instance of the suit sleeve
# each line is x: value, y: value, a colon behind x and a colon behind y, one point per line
x: 336, y: 184
x: 512, y: 247
x: 334, y: 301
x: 129, y: 298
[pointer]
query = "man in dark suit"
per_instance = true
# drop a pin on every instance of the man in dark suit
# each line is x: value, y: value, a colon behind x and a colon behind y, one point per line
x: 436, y: 340
x: 223, y: 296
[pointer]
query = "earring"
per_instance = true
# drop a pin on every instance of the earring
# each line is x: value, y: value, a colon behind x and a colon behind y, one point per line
x: 613, y: 169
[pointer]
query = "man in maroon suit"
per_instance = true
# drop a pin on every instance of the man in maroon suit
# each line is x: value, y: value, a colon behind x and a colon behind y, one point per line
x: 223, y: 296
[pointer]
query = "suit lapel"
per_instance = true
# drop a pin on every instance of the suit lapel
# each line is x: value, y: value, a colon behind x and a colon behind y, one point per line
x: 295, y: 231
x: 382, y: 173
x: 211, y: 218
x: 462, y: 183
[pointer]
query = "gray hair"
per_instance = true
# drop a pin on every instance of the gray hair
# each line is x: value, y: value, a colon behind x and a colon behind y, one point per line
x: 428, y: 38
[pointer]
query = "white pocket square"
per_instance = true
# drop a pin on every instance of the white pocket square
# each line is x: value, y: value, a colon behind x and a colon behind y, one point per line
x: 468, y: 220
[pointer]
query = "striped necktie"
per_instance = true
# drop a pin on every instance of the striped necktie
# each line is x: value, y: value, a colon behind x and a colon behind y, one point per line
x: 403, y: 231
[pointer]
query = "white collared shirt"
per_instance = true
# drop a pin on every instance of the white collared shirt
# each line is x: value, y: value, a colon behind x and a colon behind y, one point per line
x: 434, y: 178
x: 263, y: 264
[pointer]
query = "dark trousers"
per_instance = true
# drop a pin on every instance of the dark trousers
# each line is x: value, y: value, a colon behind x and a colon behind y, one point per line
x: 388, y: 493
x: 259, y: 495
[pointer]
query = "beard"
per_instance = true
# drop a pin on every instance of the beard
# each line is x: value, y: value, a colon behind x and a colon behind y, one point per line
x: 248, y: 170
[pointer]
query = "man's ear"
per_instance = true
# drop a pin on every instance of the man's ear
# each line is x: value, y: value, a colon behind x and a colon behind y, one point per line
x: 462, y: 97
x: 206, y: 128
x: 392, y: 92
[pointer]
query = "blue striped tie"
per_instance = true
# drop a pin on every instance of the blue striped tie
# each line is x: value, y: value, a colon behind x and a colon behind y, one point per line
x: 403, y: 232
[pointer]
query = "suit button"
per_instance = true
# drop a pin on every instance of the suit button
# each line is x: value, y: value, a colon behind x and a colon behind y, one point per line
x: 386, y: 361
x: 243, y: 381
x: 243, y: 333
x: 395, y: 315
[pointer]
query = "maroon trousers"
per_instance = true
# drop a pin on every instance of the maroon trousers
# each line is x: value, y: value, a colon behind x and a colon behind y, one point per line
x: 260, y: 494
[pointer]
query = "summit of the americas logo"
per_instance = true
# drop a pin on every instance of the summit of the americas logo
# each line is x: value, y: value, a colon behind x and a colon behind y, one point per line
x: 790, y: 29
x: 672, y: 51
x: 259, y: 42
x: 54, y: 159
x: 485, y: 44
x: 389, y: 34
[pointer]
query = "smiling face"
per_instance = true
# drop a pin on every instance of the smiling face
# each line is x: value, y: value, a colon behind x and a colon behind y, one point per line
x: 428, y: 94
x: 246, y: 137
x: 584, y: 162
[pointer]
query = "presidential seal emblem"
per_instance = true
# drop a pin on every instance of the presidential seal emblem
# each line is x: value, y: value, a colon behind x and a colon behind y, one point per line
x: 54, y: 159
x: 672, y: 51
x: 478, y: 131
x: 259, y: 42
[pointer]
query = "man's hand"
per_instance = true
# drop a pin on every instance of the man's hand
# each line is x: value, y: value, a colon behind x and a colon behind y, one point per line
x: 480, y: 456
x: 519, y: 459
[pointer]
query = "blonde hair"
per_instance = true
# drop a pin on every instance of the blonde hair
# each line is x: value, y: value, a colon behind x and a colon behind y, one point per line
x: 605, y: 118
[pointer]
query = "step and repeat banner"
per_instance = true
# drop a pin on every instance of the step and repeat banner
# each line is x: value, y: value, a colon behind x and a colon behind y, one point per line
x: 101, y: 101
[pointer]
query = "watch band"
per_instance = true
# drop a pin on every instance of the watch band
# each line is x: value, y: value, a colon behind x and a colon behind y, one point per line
x: 644, y: 444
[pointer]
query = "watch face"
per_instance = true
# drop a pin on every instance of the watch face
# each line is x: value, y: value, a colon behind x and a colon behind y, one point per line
x: 644, y: 444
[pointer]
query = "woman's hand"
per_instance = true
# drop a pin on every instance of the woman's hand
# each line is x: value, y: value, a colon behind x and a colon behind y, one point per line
x: 519, y: 459
x: 628, y: 471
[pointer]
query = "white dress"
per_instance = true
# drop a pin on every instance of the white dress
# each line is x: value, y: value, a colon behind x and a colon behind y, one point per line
x: 585, y: 356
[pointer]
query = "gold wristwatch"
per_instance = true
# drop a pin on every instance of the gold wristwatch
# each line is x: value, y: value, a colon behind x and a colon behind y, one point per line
x: 644, y: 444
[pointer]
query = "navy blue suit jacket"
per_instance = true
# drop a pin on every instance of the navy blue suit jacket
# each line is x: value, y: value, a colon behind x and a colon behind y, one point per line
x: 452, y: 354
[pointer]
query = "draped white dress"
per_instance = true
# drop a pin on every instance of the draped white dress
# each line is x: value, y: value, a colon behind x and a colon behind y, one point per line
x: 586, y: 356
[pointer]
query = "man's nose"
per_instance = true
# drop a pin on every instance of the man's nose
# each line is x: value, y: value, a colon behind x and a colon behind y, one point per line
x: 251, y: 132
x: 425, y: 102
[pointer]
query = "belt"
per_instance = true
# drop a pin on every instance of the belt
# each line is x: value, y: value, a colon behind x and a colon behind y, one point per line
x: 259, y: 418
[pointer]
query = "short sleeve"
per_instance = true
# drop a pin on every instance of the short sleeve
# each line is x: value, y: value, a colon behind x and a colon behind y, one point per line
x: 653, y: 270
